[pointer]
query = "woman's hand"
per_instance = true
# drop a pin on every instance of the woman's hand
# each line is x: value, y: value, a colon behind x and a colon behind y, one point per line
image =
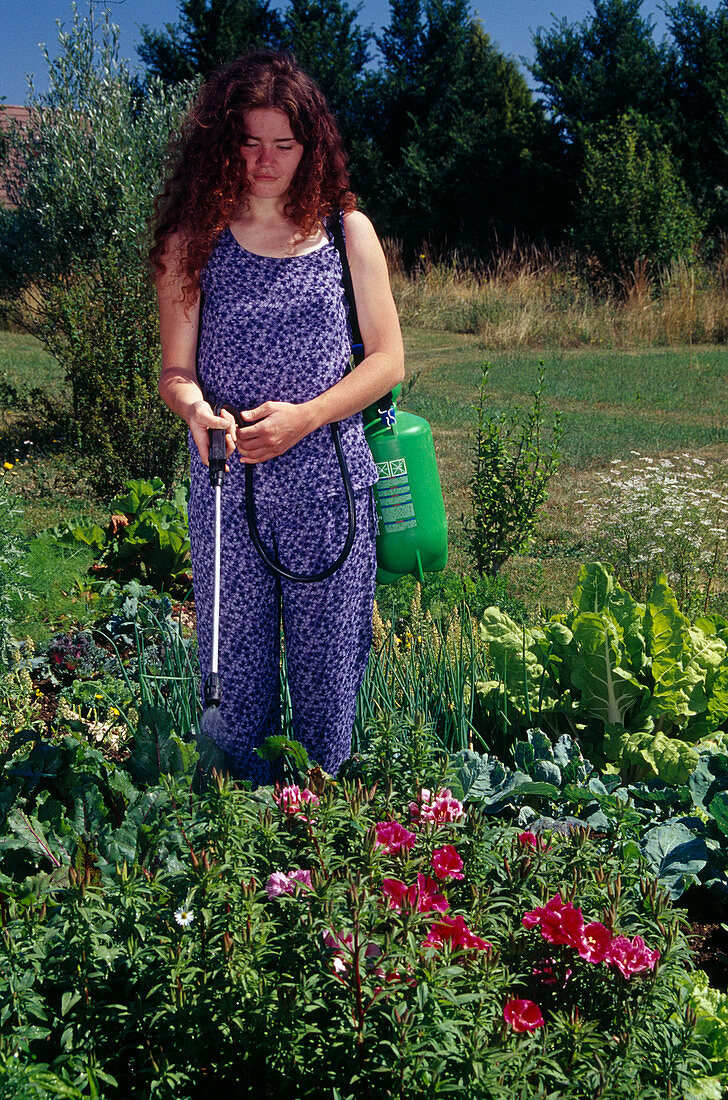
x: 201, y: 419
x: 275, y: 426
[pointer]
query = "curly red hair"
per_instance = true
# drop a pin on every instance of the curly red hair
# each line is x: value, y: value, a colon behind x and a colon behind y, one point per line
x: 207, y: 179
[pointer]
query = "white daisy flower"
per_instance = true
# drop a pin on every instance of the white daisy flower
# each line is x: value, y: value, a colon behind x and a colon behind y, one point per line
x: 184, y: 916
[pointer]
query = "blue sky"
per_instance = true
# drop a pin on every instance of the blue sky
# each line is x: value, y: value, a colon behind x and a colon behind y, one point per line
x: 26, y: 23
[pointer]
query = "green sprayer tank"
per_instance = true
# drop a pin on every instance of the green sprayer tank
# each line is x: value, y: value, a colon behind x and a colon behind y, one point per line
x: 412, y: 535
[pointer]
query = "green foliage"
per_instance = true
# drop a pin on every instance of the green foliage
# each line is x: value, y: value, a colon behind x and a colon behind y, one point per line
x: 711, y: 1007
x: 55, y: 575
x: 149, y: 947
x: 677, y: 829
x: 512, y: 464
x: 208, y: 34
x: 18, y: 703
x: 697, y: 81
x: 428, y: 671
x: 592, y: 73
x: 72, y: 266
x: 609, y: 67
x: 543, y: 772
x: 147, y: 537
x: 13, y: 576
x: 640, y: 683
x: 441, y: 593
x: 634, y: 206
x: 328, y: 44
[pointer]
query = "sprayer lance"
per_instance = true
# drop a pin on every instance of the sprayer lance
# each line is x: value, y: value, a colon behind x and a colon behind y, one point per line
x: 217, y: 457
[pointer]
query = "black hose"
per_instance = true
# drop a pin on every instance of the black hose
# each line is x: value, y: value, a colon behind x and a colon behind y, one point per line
x: 250, y: 513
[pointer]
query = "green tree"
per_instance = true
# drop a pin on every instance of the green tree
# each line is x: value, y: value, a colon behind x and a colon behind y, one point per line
x: 208, y: 34
x: 699, y: 91
x: 634, y: 205
x: 455, y: 130
x: 73, y: 271
x: 592, y: 73
x: 330, y: 45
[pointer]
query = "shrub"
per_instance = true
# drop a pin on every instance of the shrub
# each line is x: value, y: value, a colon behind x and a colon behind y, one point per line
x: 512, y: 464
x: 634, y: 205
x: 72, y: 266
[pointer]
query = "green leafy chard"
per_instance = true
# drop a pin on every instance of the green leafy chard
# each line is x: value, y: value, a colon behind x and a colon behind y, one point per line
x: 639, y: 685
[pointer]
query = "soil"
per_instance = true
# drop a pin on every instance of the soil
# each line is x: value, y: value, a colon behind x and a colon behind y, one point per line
x: 48, y: 703
x: 708, y: 917
x: 710, y: 952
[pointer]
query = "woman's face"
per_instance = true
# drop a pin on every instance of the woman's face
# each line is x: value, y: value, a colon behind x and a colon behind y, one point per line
x: 271, y: 152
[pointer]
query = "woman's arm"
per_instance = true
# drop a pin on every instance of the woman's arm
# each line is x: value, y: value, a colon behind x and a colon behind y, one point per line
x: 279, y: 424
x: 178, y: 384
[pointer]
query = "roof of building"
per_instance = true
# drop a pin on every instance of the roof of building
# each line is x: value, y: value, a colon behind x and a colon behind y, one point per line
x: 10, y: 114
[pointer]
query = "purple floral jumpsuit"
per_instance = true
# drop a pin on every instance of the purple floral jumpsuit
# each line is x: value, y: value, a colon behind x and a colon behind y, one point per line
x: 277, y: 330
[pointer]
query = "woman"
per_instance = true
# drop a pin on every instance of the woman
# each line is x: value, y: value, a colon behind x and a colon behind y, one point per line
x: 252, y: 313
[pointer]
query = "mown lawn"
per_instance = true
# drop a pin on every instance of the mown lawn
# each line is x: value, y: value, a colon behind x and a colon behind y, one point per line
x: 611, y: 403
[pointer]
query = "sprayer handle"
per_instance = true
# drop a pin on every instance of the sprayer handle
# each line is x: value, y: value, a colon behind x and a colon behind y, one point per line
x: 217, y: 456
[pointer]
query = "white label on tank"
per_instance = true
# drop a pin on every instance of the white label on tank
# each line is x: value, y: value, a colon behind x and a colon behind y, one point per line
x: 394, y: 496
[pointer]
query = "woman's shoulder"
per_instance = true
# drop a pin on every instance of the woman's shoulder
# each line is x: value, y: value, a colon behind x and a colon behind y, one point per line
x: 361, y: 236
x: 358, y: 225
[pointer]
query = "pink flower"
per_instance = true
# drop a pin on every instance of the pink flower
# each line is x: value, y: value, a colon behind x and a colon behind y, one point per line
x: 446, y: 863
x: 547, y: 973
x: 394, y: 975
x: 421, y: 895
x: 301, y: 876
x: 393, y: 837
x: 631, y: 956
x: 522, y: 1015
x: 343, y: 951
x: 454, y: 931
x: 428, y: 899
x: 278, y: 883
x: 596, y: 942
x: 292, y: 801
x: 532, y: 840
x: 561, y: 923
x: 440, y: 810
x: 342, y: 946
x: 395, y: 892
x: 372, y: 951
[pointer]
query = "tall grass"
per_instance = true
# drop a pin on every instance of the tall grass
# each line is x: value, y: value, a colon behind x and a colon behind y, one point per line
x: 533, y: 297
